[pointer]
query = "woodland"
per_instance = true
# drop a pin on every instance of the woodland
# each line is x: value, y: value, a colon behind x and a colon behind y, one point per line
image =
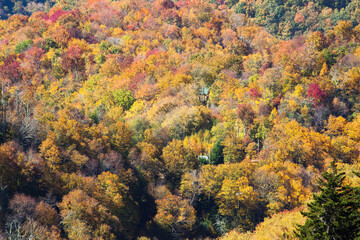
x: 188, y: 119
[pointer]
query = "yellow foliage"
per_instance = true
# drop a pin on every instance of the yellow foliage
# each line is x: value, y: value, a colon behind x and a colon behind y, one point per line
x: 79, y: 43
x: 137, y: 108
x: 175, y: 212
x: 299, y: 91
x: 324, y: 70
x: 235, y: 195
x: 299, y: 144
x: 344, y: 29
x: 352, y: 129
x: 50, y: 152
x: 113, y: 189
x: 280, y: 184
x: 277, y: 227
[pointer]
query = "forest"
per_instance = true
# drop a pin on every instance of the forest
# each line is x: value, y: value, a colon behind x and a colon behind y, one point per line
x: 188, y: 119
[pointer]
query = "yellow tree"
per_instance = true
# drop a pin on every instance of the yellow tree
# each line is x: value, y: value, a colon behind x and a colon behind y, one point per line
x: 344, y: 30
x: 234, y: 149
x: 178, y: 159
x: 85, y: 218
x: 115, y: 195
x: 175, y: 215
x: 298, y: 144
x: 335, y: 126
x: 237, y: 198
x: 279, y: 184
x: 145, y: 156
x: 120, y: 137
x: 50, y: 152
x: 278, y: 226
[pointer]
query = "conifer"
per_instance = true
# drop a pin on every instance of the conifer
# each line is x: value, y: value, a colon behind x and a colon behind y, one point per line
x: 334, y: 212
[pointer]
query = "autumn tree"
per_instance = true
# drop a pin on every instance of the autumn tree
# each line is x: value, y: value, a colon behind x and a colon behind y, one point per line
x: 120, y: 137
x: 146, y: 157
x: 298, y: 144
x: 178, y: 159
x: 84, y: 217
x: 50, y: 152
x: 175, y: 215
x: 239, y: 199
x: 10, y: 69
x: 73, y: 61
x: 116, y: 196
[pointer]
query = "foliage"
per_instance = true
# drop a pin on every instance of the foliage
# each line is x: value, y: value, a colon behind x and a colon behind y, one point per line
x: 23, y: 46
x: 278, y: 226
x: 334, y: 211
x: 173, y: 119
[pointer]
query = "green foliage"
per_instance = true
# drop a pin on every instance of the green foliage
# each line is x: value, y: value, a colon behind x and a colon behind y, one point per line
x: 22, y: 46
x: 286, y: 18
x: 330, y: 57
x: 216, y: 154
x: 48, y: 43
x: 334, y: 212
x: 333, y: 4
x: 105, y: 46
x: 123, y: 98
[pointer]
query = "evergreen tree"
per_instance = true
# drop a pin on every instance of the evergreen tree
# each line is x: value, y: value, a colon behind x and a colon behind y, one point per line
x: 334, y: 211
x: 217, y: 155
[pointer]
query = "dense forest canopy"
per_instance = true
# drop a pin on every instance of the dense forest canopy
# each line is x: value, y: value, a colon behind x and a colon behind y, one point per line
x: 173, y: 119
x: 284, y: 19
x: 10, y: 7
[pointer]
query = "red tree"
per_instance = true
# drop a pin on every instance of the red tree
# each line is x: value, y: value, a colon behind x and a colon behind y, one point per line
x: 316, y: 93
x: 10, y: 69
x: 73, y: 60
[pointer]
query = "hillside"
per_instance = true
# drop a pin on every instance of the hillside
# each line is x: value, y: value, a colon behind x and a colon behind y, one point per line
x: 186, y: 119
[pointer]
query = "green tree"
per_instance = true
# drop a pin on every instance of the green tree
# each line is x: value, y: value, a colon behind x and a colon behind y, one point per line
x: 216, y: 155
x: 124, y: 98
x: 334, y: 211
x: 23, y: 46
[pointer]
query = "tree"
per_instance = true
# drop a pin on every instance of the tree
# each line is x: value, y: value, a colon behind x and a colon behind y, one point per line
x: 123, y: 98
x: 85, y: 218
x: 234, y: 150
x: 344, y: 29
x: 46, y: 215
x: 145, y: 157
x: 11, y: 69
x: 22, y: 207
x: 239, y: 200
x: 334, y: 212
x: 315, y: 92
x: 278, y: 226
x: 216, y: 155
x: 60, y: 35
x: 73, y: 60
x: 178, y: 159
x: 175, y: 215
x: 116, y: 197
x: 298, y: 144
x: 120, y: 137
x: 50, y: 152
